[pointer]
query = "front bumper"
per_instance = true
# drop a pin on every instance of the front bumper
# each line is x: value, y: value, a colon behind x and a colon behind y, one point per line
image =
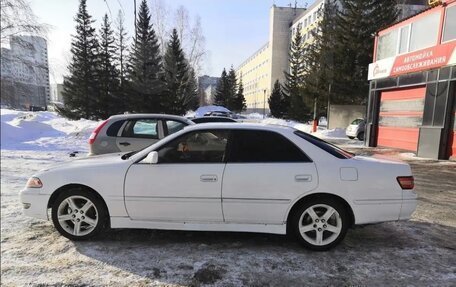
x: 34, y: 204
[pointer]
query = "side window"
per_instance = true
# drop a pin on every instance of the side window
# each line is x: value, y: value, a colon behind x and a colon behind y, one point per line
x: 141, y: 128
x: 264, y: 146
x: 173, y: 126
x: 196, y: 147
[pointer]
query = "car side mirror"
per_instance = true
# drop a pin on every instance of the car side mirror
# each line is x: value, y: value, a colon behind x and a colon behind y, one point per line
x: 151, y: 158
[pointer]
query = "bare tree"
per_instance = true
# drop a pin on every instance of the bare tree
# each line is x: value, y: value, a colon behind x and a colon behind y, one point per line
x: 121, y: 42
x: 17, y: 18
x: 160, y: 19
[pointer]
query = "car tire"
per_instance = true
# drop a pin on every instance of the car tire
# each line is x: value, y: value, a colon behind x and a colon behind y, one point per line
x: 320, y: 223
x: 361, y: 136
x: 351, y: 138
x: 79, y: 214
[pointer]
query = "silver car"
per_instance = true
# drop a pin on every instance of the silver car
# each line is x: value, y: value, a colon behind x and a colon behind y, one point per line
x: 356, y: 129
x: 132, y: 132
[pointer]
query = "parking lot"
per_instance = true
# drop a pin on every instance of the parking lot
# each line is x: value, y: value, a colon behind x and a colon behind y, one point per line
x: 420, y: 252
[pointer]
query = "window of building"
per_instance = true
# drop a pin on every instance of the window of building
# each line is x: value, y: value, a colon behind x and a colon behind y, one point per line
x: 387, y: 45
x: 449, y: 30
x: 404, y: 40
x: 425, y: 32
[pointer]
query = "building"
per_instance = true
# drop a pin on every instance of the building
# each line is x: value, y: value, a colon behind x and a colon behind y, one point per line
x: 207, y: 86
x: 260, y: 71
x: 56, y: 93
x: 267, y: 64
x: 25, y: 73
x: 413, y: 84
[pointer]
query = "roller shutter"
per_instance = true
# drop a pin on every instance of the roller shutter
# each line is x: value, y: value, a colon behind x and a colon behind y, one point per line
x: 401, y: 114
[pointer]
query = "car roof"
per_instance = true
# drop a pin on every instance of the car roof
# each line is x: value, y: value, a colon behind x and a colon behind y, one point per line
x: 158, y: 116
x: 229, y: 125
x: 214, y: 119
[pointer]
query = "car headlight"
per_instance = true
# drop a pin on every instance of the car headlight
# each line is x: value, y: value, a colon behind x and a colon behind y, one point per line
x: 34, y: 182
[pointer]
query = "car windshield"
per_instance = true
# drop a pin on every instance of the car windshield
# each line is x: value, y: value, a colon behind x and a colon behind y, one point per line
x: 357, y: 121
x: 329, y: 148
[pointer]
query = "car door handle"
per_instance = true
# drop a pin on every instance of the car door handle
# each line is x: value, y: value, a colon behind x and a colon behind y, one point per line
x: 208, y: 178
x: 125, y: 143
x: 303, y: 178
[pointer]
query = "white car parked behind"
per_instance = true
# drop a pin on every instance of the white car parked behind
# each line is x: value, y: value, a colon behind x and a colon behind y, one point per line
x: 225, y: 177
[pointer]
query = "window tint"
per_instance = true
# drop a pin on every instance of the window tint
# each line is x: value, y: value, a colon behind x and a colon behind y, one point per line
x: 329, y: 148
x: 141, y: 128
x: 174, y: 126
x: 264, y: 146
x: 357, y: 121
x: 195, y: 147
x: 449, y: 32
x: 114, y: 128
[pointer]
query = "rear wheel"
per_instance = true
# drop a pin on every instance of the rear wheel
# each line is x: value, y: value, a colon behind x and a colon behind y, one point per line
x: 351, y: 138
x: 361, y: 136
x: 78, y: 214
x: 320, y: 224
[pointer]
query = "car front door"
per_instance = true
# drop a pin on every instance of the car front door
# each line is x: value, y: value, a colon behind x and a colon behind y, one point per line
x: 137, y: 134
x: 265, y: 172
x: 185, y: 185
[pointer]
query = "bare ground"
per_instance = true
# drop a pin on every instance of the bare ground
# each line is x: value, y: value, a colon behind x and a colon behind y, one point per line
x: 420, y: 252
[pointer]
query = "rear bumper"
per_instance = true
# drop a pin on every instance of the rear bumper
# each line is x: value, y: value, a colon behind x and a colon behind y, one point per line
x: 409, y: 204
x: 34, y: 204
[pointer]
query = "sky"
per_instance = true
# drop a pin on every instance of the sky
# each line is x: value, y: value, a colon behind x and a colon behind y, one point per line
x: 234, y: 29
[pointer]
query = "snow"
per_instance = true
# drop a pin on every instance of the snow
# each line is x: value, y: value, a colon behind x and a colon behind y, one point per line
x: 46, y: 131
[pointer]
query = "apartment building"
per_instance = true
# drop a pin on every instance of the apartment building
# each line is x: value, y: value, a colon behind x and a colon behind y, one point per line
x: 25, y: 73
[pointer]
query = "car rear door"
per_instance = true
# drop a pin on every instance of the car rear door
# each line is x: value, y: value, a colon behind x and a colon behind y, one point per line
x: 265, y: 172
x: 185, y: 185
x: 139, y: 133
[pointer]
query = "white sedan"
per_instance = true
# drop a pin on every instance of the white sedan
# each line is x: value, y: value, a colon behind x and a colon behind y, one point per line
x: 225, y: 177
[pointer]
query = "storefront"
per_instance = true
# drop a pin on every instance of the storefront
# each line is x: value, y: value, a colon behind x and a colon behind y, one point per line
x: 413, y: 84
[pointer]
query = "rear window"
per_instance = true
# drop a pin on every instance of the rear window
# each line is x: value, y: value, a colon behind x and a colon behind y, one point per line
x: 329, y: 148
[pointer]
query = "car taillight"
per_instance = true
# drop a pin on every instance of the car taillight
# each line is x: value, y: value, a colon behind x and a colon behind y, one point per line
x: 406, y: 182
x: 94, y: 134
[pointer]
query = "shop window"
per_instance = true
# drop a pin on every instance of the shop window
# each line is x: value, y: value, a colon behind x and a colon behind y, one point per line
x: 425, y: 32
x: 449, y: 30
x: 429, y: 104
x: 387, y: 45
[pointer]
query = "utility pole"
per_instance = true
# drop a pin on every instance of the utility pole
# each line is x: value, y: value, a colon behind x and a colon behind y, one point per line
x: 134, y: 3
x: 264, y: 104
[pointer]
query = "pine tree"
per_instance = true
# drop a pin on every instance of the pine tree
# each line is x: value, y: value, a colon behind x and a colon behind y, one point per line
x: 108, y: 101
x: 293, y: 87
x: 278, y: 103
x: 231, y: 89
x: 80, y: 86
x: 322, y: 60
x: 222, y: 90
x: 357, y: 22
x: 121, y: 40
x: 180, y: 88
x: 239, y: 104
x: 144, y: 66
x: 191, y: 92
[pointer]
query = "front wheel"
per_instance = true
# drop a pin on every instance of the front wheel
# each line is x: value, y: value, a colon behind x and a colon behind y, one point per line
x: 78, y: 214
x: 320, y: 224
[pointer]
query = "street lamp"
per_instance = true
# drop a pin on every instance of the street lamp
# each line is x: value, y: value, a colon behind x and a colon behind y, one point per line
x: 264, y: 104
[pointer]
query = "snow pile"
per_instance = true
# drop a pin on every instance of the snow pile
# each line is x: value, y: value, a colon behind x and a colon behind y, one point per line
x: 43, y: 131
x: 334, y: 133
